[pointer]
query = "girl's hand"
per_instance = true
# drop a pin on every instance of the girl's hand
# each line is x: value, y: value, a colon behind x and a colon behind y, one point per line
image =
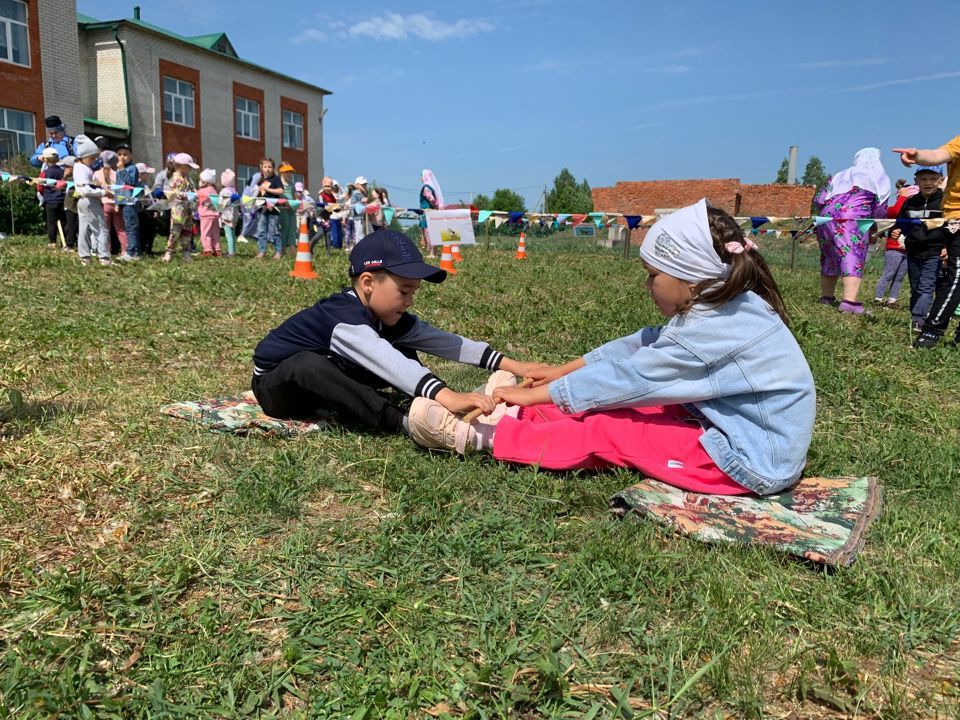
x: 459, y: 403
x: 524, y: 397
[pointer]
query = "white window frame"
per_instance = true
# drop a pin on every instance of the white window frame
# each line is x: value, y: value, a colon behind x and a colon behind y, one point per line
x: 177, y: 103
x: 247, y: 118
x: 6, y: 29
x: 290, y: 125
x: 26, y: 139
x: 242, y: 179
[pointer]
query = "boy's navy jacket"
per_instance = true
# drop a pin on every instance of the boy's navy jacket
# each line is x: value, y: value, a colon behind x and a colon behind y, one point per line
x: 52, y: 194
x: 919, y: 241
x: 341, y: 328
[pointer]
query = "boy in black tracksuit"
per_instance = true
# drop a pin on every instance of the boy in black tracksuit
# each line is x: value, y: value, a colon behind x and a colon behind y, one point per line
x: 336, y: 354
x: 923, y: 245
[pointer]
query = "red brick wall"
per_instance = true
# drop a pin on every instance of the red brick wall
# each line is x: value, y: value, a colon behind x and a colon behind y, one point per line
x: 297, y: 158
x: 246, y: 151
x: 23, y: 86
x: 643, y: 198
x: 180, y: 138
x: 776, y: 200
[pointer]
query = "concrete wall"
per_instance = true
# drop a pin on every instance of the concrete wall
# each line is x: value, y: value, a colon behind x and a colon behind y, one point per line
x: 60, y: 51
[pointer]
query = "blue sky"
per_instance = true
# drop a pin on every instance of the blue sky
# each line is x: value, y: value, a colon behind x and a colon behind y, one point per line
x: 508, y: 92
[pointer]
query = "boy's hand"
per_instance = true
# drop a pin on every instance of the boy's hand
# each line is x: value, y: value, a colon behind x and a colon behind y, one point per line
x: 524, y: 397
x: 459, y: 403
x: 895, y: 234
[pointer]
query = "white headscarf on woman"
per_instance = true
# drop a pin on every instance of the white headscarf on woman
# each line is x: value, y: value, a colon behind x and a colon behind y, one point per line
x: 428, y: 178
x: 866, y: 173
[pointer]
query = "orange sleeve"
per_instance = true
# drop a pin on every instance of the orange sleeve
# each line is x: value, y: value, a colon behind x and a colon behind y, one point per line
x: 952, y: 147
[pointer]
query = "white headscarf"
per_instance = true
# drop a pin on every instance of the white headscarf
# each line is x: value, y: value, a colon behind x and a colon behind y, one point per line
x: 428, y: 178
x: 866, y: 173
x: 681, y: 245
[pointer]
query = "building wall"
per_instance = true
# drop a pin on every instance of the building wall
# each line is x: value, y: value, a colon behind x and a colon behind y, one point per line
x: 22, y: 87
x: 776, y: 200
x: 175, y: 137
x: 245, y: 150
x: 297, y: 158
x: 60, y: 53
x: 214, y: 93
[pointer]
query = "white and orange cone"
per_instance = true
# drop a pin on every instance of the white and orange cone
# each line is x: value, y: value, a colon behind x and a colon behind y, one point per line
x: 303, y: 266
x: 446, y: 259
x: 455, y: 251
x: 521, y: 247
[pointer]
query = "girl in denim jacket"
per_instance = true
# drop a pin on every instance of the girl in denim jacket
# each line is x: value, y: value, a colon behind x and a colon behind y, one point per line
x: 718, y: 400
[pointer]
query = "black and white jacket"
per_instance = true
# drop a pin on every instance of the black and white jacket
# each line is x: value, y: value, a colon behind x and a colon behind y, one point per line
x: 341, y: 328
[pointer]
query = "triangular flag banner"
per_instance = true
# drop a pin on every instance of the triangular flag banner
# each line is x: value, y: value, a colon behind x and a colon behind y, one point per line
x: 821, y: 220
x: 191, y: 196
x: 483, y: 216
x: 598, y: 221
x: 756, y: 222
x: 215, y: 201
x: 498, y: 221
x: 577, y: 218
x: 295, y: 203
x: 633, y: 221
x: 865, y: 225
x: 883, y: 225
x: 388, y: 214
x: 5, y: 177
x: 562, y: 218
x: 137, y: 191
x: 932, y: 223
x: 516, y: 216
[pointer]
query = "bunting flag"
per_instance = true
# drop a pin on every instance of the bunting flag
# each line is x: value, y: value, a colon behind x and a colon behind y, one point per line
x: 388, y: 213
x: 633, y: 221
x: 498, y: 220
x: 865, y: 225
x: 516, y: 216
x: 821, y: 220
x: 562, y: 218
x: 756, y: 222
x: 483, y: 216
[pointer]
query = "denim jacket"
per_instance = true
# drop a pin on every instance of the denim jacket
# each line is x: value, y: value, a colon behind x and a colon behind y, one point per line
x: 735, y: 367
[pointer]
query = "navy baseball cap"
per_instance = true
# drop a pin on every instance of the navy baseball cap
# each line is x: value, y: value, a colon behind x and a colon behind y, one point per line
x: 392, y: 251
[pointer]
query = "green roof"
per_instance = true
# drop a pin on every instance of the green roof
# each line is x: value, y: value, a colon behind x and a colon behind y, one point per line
x: 102, y: 123
x: 216, y: 43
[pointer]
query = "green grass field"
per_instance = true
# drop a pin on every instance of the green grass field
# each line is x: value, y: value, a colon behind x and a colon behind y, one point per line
x: 151, y: 569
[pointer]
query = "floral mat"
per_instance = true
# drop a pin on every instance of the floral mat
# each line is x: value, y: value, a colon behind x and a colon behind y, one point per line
x: 822, y: 520
x: 240, y: 415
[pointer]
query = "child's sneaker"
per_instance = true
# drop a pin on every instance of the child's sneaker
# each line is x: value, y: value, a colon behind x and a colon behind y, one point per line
x: 85, y: 262
x: 187, y: 257
x: 500, y: 378
x: 261, y: 256
x: 167, y: 256
x: 827, y: 300
x: 126, y: 257
x: 431, y: 425
x: 277, y: 255
x: 926, y: 339
x: 106, y: 261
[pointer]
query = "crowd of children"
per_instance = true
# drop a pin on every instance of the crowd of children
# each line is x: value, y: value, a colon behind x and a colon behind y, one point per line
x: 115, y: 199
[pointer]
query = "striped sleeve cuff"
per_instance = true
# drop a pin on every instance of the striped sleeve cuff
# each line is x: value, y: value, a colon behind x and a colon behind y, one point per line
x: 429, y: 386
x: 490, y: 359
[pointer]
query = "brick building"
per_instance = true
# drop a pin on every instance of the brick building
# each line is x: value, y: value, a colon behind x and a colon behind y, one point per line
x: 647, y: 197
x: 130, y: 80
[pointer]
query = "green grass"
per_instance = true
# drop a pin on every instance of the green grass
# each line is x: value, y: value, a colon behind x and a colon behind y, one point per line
x: 151, y: 569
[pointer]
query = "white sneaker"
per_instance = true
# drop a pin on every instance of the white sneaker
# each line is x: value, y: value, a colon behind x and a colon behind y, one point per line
x: 126, y: 257
x: 167, y: 256
x: 106, y: 261
x: 431, y: 425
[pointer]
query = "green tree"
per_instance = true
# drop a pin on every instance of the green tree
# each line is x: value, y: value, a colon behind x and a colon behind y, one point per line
x: 782, y: 173
x: 507, y: 200
x: 483, y: 202
x: 567, y: 196
x: 814, y: 173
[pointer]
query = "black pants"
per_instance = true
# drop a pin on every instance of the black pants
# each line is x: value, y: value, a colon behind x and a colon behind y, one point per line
x: 72, y: 228
x: 55, y: 213
x: 305, y: 385
x: 948, y: 286
x: 148, y: 231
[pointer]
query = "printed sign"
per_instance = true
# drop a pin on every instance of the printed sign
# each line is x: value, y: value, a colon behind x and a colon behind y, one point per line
x: 453, y: 226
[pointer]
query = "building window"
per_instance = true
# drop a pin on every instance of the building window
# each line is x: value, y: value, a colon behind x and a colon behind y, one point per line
x: 244, y: 173
x: 177, y: 101
x: 248, y: 118
x: 292, y: 130
x: 298, y: 178
x: 16, y: 132
x: 14, y: 40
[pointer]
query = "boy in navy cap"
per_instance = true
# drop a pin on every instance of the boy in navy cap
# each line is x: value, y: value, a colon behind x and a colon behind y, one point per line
x: 337, y: 354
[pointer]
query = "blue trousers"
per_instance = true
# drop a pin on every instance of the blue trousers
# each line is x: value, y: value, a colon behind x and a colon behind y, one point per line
x: 923, y: 282
x: 132, y: 224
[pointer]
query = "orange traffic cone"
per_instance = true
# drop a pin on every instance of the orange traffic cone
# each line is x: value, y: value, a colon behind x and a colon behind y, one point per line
x: 446, y: 259
x: 303, y: 267
x: 455, y: 251
x: 521, y: 247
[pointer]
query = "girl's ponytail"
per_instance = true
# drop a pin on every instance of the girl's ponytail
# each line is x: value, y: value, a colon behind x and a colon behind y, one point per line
x: 748, y: 269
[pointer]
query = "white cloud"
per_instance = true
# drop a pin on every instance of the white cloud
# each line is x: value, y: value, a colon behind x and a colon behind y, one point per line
x: 644, y: 126
x: 675, y: 69
x: 863, y: 62
x: 901, y: 81
x: 394, y: 26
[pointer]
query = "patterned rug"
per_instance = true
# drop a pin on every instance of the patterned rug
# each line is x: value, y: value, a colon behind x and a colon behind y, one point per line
x: 822, y: 520
x: 239, y: 415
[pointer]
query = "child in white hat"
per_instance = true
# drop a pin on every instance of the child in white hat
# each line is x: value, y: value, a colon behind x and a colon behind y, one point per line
x: 209, y: 213
x: 94, y: 235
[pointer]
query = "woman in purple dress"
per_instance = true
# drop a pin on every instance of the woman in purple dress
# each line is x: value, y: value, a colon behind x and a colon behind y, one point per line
x: 857, y: 193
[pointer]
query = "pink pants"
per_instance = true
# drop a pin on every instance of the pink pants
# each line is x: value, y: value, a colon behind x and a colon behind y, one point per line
x: 113, y: 215
x: 660, y: 442
x: 210, y: 233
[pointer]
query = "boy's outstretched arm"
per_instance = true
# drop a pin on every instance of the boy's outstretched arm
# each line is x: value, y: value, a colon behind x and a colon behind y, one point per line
x: 464, y: 402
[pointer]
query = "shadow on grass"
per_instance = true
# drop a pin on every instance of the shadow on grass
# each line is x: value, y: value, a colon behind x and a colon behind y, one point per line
x: 19, y: 416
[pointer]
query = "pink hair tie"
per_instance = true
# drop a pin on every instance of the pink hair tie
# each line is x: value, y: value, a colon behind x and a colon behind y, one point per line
x: 737, y: 248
